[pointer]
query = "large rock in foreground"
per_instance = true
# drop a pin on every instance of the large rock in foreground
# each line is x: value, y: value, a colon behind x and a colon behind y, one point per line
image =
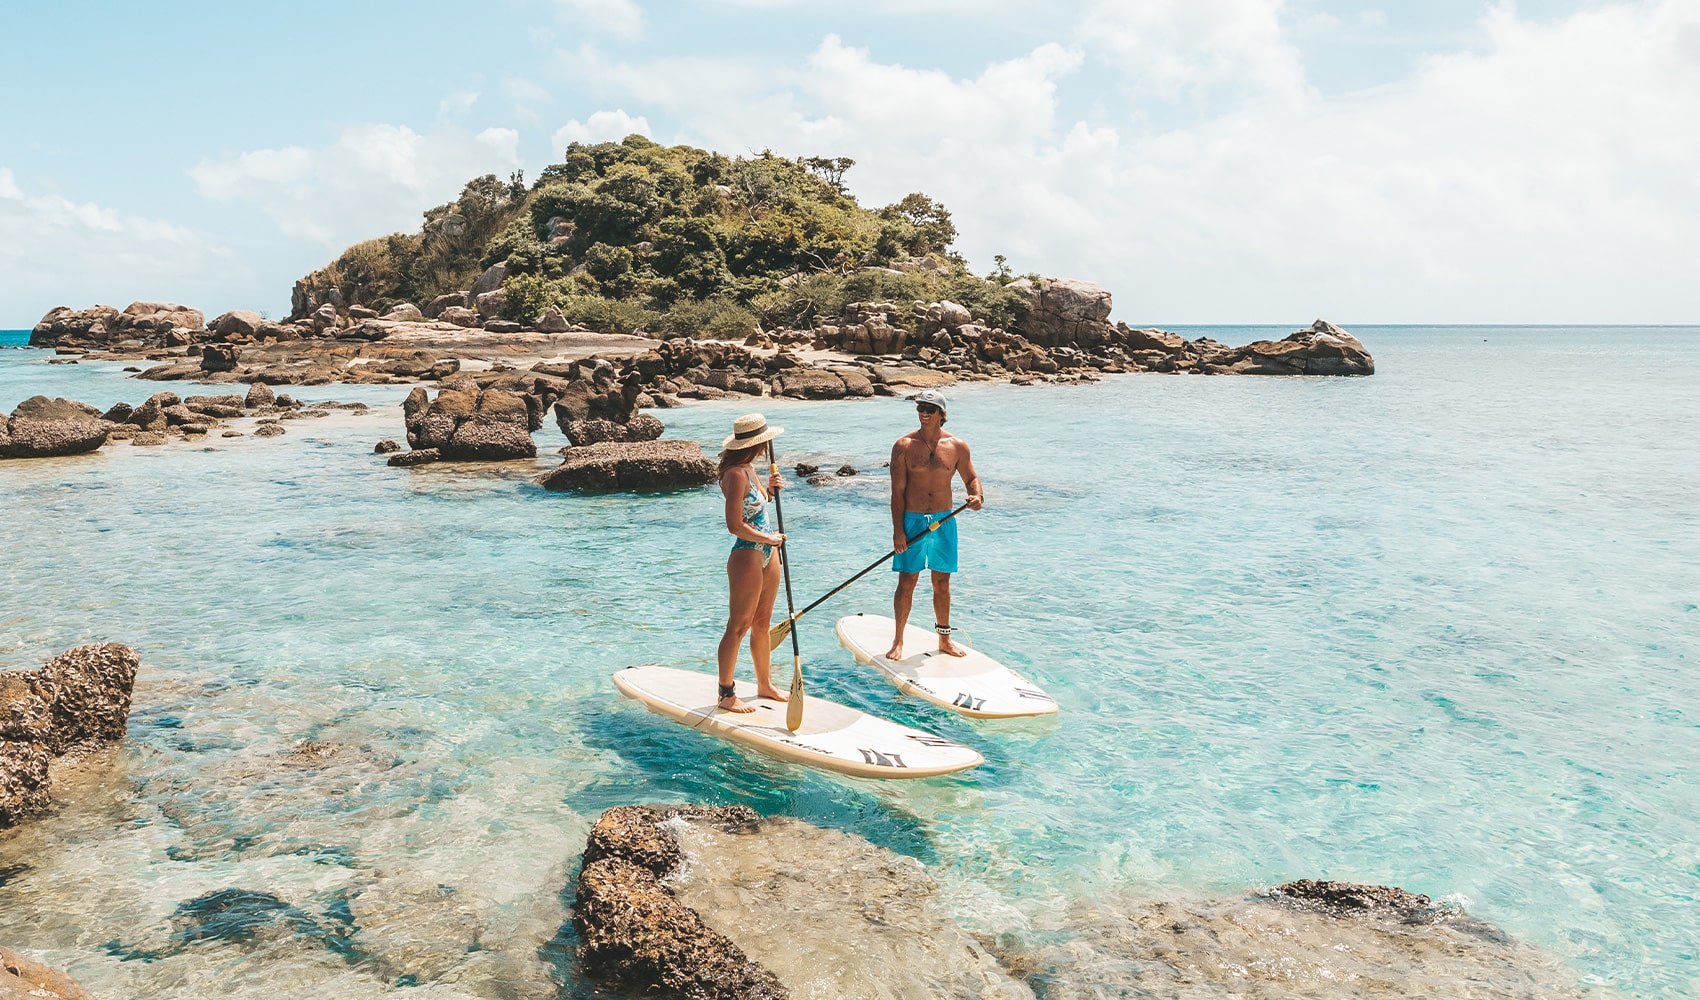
x: 45, y: 428
x: 636, y: 934
x: 631, y: 467
x: 81, y: 697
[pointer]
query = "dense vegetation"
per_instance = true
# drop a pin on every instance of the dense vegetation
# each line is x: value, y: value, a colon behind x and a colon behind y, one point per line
x: 634, y: 235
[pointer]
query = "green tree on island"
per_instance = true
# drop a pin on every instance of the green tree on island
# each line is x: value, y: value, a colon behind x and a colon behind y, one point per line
x: 632, y: 235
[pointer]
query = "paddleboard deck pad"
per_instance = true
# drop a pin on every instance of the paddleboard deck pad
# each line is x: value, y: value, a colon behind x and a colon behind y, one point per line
x: 833, y: 737
x: 974, y: 685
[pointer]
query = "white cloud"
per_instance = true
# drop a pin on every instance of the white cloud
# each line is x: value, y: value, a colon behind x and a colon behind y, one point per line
x: 620, y: 18
x: 374, y: 179
x: 1551, y: 173
x: 1552, y: 176
x: 602, y: 126
x: 55, y: 251
x: 1171, y: 48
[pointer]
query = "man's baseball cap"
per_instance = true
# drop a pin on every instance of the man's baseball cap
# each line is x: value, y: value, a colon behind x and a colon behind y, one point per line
x: 932, y: 397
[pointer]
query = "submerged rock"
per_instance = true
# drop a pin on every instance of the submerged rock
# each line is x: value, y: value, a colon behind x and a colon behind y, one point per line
x: 833, y: 915
x: 79, y: 698
x: 22, y: 976
x: 1351, y: 899
x: 635, y: 934
x: 1268, y: 948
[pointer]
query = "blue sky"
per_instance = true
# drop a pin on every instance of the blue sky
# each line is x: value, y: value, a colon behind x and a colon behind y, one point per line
x: 1208, y: 161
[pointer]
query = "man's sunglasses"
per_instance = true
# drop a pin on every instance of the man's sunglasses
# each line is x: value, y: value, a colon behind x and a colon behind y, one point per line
x: 927, y: 408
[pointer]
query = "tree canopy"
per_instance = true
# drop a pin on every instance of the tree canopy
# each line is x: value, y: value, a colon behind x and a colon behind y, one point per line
x: 640, y: 232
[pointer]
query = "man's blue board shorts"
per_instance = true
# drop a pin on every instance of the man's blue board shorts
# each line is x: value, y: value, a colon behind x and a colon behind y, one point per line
x: 936, y: 550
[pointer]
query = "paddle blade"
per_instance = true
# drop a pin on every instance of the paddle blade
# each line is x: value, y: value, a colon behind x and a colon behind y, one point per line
x: 777, y: 634
x: 794, y: 708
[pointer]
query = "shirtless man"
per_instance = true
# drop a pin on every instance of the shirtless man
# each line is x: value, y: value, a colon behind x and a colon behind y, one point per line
x: 922, y: 465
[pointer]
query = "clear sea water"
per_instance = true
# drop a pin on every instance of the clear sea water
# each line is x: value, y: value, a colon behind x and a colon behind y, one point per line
x: 1438, y: 628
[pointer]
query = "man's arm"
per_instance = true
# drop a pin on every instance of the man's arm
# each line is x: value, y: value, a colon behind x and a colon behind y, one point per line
x: 970, y: 478
x: 899, y: 487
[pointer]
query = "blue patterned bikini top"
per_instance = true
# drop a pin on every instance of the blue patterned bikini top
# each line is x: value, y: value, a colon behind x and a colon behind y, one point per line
x: 755, y: 505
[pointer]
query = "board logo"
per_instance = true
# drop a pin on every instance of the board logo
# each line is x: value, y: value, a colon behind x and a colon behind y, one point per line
x: 882, y: 759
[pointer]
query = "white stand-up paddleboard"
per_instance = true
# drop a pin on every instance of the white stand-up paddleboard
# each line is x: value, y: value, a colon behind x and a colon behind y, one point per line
x: 974, y: 685
x: 833, y: 737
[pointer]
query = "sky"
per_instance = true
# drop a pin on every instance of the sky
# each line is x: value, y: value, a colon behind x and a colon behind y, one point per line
x: 1207, y: 161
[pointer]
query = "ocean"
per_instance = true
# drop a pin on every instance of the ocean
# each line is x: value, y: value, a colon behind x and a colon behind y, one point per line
x: 1438, y: 628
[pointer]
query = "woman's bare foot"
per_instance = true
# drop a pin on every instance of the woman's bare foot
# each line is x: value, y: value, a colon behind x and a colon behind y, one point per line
x: 735, y: 704
x: 772, y: 694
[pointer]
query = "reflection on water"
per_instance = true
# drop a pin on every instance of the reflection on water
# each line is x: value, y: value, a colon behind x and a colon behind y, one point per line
x: 1435, y: 629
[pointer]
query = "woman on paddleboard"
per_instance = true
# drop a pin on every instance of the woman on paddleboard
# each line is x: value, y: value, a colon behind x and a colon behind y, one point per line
x: 752, y: 571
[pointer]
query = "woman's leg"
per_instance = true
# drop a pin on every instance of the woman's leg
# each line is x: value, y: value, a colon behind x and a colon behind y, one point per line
x: 744, y: 587
x: 761, y: 621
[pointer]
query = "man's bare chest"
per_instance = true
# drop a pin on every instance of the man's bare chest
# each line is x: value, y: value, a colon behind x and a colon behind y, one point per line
x: 930, y: 456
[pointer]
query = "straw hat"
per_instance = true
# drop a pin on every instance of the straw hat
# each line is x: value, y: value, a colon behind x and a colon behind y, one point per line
x: 750, y: 430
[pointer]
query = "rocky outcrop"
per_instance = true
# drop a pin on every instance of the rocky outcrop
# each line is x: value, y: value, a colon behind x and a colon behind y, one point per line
x: 41, y: 427
x: 1351, y: 899
x: 99, y: 327
x: 489, y: 281
x: 237, y: 323
x: 434, y: 308
x: 459, y: 316
x: 220, y: 357
x: 553, y: 321
x: 1065, y: 312
x: 161, y: 316
x: 631, y: 467
x: 635, y: 935
x: 1324, y: 349
x: 489, y: 304
x: 22, y: 977
x: 81, y: 697
x: 92, y: 327
x: 595, y: 407
x: 640, y: 427
x: 470, y: 424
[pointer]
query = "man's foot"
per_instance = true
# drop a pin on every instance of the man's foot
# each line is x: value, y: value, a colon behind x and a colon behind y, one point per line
x: 772, y: 694
x: 896, y: 651
x: 946, y: 646
x: 733, y: 703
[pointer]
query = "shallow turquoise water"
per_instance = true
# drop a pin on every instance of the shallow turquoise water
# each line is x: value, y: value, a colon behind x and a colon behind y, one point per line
x: 1436, y: 628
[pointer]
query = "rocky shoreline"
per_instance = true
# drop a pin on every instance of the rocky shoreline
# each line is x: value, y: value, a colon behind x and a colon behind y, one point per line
x: 496, y: 379
x: 1065, y: 335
